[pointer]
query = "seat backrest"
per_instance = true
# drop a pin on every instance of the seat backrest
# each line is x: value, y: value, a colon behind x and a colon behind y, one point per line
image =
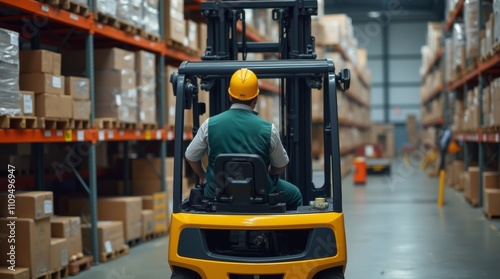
x: 240, y: 179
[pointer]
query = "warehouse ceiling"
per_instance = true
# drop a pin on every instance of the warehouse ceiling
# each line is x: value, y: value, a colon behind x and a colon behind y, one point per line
x: 400, y: 10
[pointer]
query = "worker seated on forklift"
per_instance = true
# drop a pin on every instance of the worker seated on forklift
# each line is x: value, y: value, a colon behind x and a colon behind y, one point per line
x: 241, y: 130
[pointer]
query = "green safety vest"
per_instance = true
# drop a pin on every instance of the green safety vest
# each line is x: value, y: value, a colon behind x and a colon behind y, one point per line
x: 236, y: 131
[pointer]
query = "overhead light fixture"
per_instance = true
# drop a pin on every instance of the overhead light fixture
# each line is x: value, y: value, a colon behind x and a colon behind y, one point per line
x: 373, y: 14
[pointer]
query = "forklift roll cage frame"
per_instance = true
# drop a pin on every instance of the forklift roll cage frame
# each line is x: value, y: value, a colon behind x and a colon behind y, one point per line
x: 298, y: 71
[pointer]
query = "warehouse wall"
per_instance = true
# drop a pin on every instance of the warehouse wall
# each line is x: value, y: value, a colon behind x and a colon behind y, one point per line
x: 404, y: 40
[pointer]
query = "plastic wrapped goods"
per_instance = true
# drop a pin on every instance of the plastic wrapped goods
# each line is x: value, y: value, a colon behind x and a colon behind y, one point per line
x: 107, y: 7
x: 458, y: 44
x: 496, y: 21
x: 150, y: 17
x: 130, y: 11
x: 472, y: 25
x: 10, y: 98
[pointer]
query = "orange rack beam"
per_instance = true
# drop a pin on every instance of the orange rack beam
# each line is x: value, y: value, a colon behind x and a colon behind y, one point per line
x: 434, y: 93
x: 50, y: 12
x: 128, y: 135
x: 454, y: 14
x: 478, y: 137
x: 436, y: 58
x: 45, y: 136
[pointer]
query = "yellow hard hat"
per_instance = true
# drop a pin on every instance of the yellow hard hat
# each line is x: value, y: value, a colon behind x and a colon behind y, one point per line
x: 453, y: 147
x: 244, y: 85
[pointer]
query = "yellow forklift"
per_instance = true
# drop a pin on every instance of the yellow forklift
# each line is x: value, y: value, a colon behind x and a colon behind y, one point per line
x: 246, y: 232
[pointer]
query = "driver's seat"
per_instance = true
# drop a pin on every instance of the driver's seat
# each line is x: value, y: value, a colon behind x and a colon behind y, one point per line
x: 241, y: 184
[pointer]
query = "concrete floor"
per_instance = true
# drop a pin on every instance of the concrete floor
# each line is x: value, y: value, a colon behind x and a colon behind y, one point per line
x: 394, y: 231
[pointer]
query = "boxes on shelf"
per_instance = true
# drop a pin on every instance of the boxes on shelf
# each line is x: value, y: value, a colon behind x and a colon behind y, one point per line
x: 150, y: 17
x: 147, y: 168
x: 472, y: 24
x: 9, y: 73
x: 77, y: 87
x: 32, y: 252
x: 109, y: 234
x: 130, y: 12
x: 42, y: 83
x: 174, y: 25
x: 192, y: 34
x: 18, y: 273
x: 27, y: 103
x: 159, y: 204
x: 146, y: 82
x: 202, y: 37
x: 81, y: 110
x: 40, y: 61
x: 68, y: 227
x: 106, y: 7
x: 491, y: 179
x: 55, y: 106
x: 58, y: 253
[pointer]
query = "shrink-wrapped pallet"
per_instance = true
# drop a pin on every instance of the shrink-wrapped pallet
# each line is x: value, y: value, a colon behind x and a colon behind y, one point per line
x: 10, y: 98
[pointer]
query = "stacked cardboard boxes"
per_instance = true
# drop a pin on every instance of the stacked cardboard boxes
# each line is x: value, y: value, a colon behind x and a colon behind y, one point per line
x: 174, y: 30
x: 31, y: 229
x: 155, y: 212
x: 383, y: 135
x: 41, y: 74
x: 145, y: 67
x: 150, y: 16
x: 491, y: 193
x: 68, y: 228
x: 10, y: 99
x: 109, y: 237
x: 78, y: 88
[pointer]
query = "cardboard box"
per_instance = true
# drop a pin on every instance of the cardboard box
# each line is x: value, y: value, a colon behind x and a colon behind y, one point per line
x: 65, y: 107
x: 175, y: 30
x: 109, y: 234
x: 383, y: 134
x: 490, y: 179
x: 40, y: 61
x: 19, y: 273
x: 145, y: 63
x: 32, y: 247
x: 81, y: 109
x: 27, y: 103
x: 47, y: 105
x: 123, y: 113
x: 147, y: 219
x: 77, y: 87
x: 42, y: 83
x: 58, y: 253
x: 471, y: 189
x: 491, y: 202
x: 34, y: 205
x: 124, y: 209
x: 68, y: 227
x: 161, y: 211
x: 192, y: 34
x: 123, y: 79
x: 146, y: 168
x: 174, y: 9
x: 114, y: 59
x: 202, y: 37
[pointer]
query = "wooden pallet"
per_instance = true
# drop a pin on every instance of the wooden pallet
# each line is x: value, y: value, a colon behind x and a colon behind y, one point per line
x: 148, y: 237
x: 489, y: 215
x: 491, y: 129
x: 147, y: 126
x: 49, y: 123
x: 84, y: 263
x: 149, y: 36
x: 45, y: 275
x: 127, y: 126
x: 496, y: 48
x: 80, y: 124
x: 160, y: 234
x: 106, y: 123
x: 106, y: 19
x: 127, y: 27
x: 51, y: 2
x: 76, y: 257
x: 134, y: 242
x: 176, y: 45
x: 18, y: 122
x: 105, y: 257
x: 59, y: 274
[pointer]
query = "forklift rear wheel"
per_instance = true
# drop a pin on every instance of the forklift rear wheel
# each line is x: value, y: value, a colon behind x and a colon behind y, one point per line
x: 181, y: 273
x: 331, y: 273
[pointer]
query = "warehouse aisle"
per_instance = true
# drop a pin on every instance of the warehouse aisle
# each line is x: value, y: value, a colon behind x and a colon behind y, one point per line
x: 392, y: 232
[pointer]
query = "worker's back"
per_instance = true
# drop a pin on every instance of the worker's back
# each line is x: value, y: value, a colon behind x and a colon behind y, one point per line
x: 237, y: 131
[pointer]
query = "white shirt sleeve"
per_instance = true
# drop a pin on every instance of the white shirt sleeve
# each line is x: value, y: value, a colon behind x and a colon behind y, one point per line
x: 277, y: 153
x: 199, y: 145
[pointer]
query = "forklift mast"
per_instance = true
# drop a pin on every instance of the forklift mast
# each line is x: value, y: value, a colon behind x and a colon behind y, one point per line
x: 224, y: 19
